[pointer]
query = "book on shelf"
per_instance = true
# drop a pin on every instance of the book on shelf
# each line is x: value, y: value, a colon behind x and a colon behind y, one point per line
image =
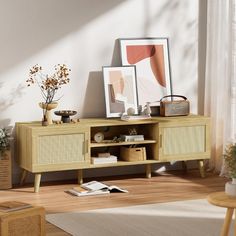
x: 131, y: 138
x: 13, y: 206
x: 104, y: 160
x: 135, y: 117
x: 95, y: 186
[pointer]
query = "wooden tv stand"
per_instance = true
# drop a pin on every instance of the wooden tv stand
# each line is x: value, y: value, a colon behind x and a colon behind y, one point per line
x: 60, y: 147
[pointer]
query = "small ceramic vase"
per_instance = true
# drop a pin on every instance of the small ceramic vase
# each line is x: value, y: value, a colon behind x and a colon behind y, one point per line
x: 48, y: 108
x: 230, y: 187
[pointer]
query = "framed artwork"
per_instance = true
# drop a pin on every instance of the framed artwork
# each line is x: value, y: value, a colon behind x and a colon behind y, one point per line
x: 120, y: 90
x: 151, y: 58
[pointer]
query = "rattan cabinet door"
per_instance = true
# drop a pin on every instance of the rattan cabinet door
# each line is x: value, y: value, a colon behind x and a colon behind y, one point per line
x: 60, y: 149
x: 55, y: 151
x: 184, y: 142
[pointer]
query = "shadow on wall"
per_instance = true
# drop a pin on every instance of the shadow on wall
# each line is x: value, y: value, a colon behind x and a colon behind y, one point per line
x: 27, y: 27
x: 94, y: 101
x: 5, y: 123
x: 8, y: 101
x: 183, y: 47
x: 116, y: 56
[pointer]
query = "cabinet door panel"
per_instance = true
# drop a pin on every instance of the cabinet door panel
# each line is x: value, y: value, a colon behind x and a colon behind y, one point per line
x: 59, y: 149
x: 179, y: 141
x: 183, y: 140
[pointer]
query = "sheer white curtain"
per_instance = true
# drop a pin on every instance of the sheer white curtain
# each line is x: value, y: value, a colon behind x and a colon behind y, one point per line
x: 220, y: 81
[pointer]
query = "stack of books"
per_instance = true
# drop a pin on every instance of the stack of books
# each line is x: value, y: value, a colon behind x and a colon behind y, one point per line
x: 104, y: 158
x: 94, y: 188
x: 131, y: 138
x: 135, y: 117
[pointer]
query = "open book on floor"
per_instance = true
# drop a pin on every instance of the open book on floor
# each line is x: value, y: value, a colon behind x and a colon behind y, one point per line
x: 80, y: 193
x: 95, y: 185
x: 94, y: 188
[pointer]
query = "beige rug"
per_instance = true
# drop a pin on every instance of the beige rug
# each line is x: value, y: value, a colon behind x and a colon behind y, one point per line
x: 183, y: 218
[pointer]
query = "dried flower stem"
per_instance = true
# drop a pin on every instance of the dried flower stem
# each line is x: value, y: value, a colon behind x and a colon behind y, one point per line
x: 49, y: 85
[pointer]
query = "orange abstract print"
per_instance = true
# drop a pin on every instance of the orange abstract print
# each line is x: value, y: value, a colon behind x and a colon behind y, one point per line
x: 136, y: 53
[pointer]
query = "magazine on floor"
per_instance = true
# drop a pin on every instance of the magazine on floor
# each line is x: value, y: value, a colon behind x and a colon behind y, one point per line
x: 95, y: 185
x: 94, y: 188
x: 87, y: 193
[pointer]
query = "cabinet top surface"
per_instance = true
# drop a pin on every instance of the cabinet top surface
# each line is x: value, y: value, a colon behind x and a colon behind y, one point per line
x: 96, y: 122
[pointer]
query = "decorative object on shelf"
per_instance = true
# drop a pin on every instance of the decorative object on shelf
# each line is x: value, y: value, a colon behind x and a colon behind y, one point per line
x: 133, y: 154
x: 48, y: 114
x: 175, y: 107
x: 147, y: 109
x: 151, y: 58
x: 120, y: 90
x: 104, y: 160
x: 49, y: 86
x: 104, y: 154
x: 98, y: 137
x: 132, y: 138
x: 135, y: 118
x: 132, y: 131
x: 230, y: 164
x: 65, y: 115
x: 57, y: 122
x: 151, y: 108
x: 130, y: 111
x: 74, y: 120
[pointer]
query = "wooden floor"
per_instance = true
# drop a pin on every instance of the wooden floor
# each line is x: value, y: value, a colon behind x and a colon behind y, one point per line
x: 165, y: 187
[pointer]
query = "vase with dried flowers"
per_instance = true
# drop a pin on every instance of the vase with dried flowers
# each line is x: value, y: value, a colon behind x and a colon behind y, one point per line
x: 49, y: 86
x: 230, y: 165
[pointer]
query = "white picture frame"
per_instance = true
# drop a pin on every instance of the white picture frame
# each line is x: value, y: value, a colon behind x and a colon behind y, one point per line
x: 120, y: 90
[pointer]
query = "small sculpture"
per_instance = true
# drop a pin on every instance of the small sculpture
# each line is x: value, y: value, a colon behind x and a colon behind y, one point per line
x: 146, y: 110
x: 65, y: 115
x: 130, y: 111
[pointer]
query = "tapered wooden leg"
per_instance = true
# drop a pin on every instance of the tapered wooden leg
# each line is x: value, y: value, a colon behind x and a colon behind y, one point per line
x: 148, y: 171
x: 23, y: 177
x: 80, y: 177
x: 227, y: 221
x: 37, y: 179
x: 184, y: 166
x: 201, y: 168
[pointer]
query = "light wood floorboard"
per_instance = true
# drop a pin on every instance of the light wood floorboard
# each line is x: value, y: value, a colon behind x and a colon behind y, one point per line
x: 165, y: 187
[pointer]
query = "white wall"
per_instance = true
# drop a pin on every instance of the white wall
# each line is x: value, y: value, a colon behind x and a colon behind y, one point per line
x: 82, y: 34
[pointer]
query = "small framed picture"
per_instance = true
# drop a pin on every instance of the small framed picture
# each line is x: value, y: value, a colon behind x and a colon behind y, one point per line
x: 120, y: 90
x: 151, y: 58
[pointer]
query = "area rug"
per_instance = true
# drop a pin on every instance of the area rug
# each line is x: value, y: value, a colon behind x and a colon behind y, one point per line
x: 182, y: 218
